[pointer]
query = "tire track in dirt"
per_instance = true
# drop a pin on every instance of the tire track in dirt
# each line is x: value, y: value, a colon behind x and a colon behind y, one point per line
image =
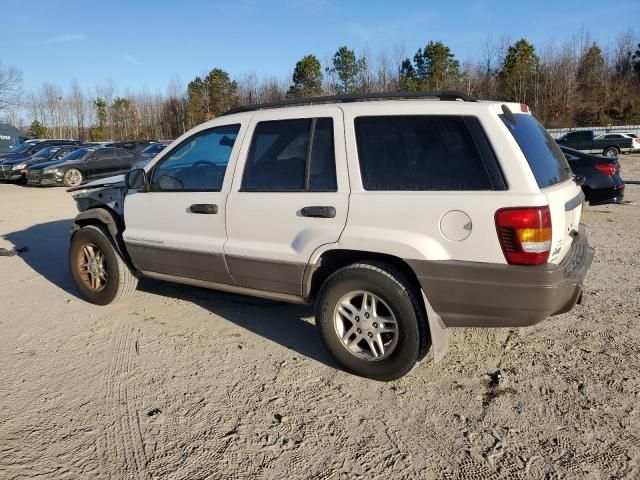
x: 121, y: 447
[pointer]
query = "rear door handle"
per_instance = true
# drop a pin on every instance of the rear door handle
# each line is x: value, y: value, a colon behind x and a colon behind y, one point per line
x: 205, y: 208
x: 319, y: 212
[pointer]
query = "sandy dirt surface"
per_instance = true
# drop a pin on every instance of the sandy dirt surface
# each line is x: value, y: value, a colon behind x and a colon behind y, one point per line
x: 187, y: 383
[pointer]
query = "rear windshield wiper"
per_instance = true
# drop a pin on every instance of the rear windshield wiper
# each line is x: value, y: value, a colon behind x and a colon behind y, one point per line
x: 509, y: 114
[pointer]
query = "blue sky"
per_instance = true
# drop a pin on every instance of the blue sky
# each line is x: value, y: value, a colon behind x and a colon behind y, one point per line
x: 143, y: 43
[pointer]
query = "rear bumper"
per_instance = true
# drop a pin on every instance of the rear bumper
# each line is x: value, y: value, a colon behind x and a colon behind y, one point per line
x: 472, y: 294
x: 598, y: 196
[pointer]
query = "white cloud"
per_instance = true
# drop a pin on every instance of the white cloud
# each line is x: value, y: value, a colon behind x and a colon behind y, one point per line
x: 69, y: 37
x: 131, y: 59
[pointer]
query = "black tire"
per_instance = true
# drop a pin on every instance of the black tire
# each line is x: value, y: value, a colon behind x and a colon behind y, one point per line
x: 120, y: 284
x: 611, y: 152
x: 394, y: 288
x: 71, y: 177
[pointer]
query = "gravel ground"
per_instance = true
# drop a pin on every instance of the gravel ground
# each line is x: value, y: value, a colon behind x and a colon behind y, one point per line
x: 186, y: 383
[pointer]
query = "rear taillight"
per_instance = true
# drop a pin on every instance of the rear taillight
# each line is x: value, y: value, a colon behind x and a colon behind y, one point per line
x: 525, y: 234
x: 608, y: 168
x: 524, y: 108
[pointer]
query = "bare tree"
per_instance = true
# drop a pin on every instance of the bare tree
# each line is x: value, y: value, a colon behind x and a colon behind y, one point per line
x: 10, y: 87
x: 79, y: 108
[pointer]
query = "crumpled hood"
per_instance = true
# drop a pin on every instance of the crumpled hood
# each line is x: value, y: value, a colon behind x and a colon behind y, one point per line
x: 115, y: 181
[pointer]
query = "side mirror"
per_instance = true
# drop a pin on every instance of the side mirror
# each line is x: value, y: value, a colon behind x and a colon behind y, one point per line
x: 136, y: 179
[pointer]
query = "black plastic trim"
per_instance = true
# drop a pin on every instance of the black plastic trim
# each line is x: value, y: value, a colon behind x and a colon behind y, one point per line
x: 483, y: 145
x: 574, y: 202
x: 446, y: 95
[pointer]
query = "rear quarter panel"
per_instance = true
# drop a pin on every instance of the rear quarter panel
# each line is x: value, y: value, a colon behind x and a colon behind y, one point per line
x: 407, y: 224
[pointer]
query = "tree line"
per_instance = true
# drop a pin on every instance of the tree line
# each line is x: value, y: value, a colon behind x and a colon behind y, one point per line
x: 577, y: 83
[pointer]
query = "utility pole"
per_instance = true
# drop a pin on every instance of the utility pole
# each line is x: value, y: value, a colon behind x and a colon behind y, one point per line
x: 59, y: 116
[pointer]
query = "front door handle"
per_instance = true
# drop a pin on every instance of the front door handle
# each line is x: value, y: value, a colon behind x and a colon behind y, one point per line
x: 319, y: 212
x: 205, y: 208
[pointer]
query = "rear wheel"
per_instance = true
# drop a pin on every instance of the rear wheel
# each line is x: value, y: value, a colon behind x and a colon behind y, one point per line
x: 371, y: 321
x: 611, y: 152
x: 72, y: 177
x: 97, y: 268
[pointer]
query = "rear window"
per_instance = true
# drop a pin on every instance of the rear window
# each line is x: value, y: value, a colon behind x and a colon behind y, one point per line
x: 419, y: 152
x: 546, y: 160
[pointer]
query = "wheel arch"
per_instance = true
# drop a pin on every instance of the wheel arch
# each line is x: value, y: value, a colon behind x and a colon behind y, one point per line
x: 104, y: 217
x: 616, y: 147
x: 334, y: 259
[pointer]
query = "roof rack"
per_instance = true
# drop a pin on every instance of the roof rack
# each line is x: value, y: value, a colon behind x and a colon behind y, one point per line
x: 353, y: 97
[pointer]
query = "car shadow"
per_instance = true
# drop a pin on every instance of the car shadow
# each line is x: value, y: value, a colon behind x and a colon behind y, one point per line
x: 282, y: 323
x: 46, y: 253
x: 46, y: 247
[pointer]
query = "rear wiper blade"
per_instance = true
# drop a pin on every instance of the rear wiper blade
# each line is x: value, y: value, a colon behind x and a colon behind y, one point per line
x: 509, y: 114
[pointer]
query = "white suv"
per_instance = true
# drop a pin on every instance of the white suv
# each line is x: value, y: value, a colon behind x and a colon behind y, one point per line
x: 396, y: 217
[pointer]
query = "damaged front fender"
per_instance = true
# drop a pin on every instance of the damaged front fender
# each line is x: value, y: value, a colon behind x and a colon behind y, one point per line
x: 100, y: 194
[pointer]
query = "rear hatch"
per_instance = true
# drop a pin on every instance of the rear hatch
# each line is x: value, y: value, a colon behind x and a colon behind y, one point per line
x: 554, y: 177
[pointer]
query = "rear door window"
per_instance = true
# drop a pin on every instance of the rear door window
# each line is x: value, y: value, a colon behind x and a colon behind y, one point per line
x: 419, y: 152
x: 291, y: 156
x: 546, y: 160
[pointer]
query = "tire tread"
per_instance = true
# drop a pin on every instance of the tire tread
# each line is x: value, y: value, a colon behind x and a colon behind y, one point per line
x: 127, y: 281
x: 403, y: 282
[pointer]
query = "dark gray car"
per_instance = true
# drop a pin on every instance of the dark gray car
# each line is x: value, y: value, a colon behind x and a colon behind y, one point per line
x: 82, y: 165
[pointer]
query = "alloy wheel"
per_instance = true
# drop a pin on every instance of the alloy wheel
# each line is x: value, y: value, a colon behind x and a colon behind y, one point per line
x: 92, y: 267
x: 366, y: 325
x: 73, y: 177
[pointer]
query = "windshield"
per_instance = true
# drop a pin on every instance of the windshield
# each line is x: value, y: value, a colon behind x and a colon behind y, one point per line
x: 543, y: 154
x: 45, y: 152
x: 22, y: 148
x: 154, y: 148
x: 78, y: 154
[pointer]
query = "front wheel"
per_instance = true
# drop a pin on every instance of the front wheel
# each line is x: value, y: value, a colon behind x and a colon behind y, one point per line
x: 97, y: 268
x: 72, y: 177
x: 371, y: 320
x: 611, y: 152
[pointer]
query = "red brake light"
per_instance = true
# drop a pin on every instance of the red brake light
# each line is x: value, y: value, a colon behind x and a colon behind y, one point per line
x: 524, y: 108
x: 608, y: 168
x: 525, y: 234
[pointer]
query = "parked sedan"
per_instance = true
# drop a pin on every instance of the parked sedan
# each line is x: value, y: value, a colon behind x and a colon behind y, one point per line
x: 155, y: 148
x: 29, y: 147
x: 151, y: 151
x: 18, y: 167
x: 81, y: 165
x: 132, y: 145
x: 603, y: 183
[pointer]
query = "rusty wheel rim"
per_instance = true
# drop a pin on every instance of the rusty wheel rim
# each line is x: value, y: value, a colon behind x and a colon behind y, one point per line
x: 92, y: 267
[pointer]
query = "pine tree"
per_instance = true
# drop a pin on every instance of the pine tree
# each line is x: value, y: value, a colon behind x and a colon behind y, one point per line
x: 442, y: 69
x: 37, y: 130
x: 517, y: 76
x: 347, y: 67
x: 408, y: 81
x: 307, y: 78
x: 591, y: 86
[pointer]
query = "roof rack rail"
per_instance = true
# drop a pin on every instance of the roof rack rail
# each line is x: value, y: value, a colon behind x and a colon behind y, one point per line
x: 352, y: 97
